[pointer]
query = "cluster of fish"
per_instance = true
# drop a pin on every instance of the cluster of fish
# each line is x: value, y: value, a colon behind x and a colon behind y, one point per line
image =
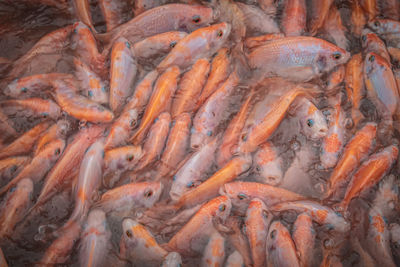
x: 205, y: 134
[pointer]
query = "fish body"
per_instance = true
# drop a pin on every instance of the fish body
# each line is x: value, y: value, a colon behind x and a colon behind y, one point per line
x: 31, y: 107
x: 304, y: 238
x: 294, y: 20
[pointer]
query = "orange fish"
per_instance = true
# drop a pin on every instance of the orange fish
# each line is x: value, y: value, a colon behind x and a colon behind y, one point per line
x: 157, y: 45
x: 37, y: 107
x: 39, y: 165
x: 336, y: 77
x: 78, y: 106
x: 218, y: 73
x: 370, y: 7
x: 210, y: 187
x: 268, y: 165
x: 319, y: 13
x: 143, y: 92
x: 387, y: 29
x: 60, y: 249
x: 252, y: 137
x: 61, y: 175
x: 190, y: 88
x: 294, y: 18
x: 201, y: 43
x: 241, y: 194
x: 24, y: 143
x: 58, y: 131
x: 354, y: 85
x: 177, y: 145
x: 10, y: 167
x: 281, y: 250
x: 253, y: 42
x: 258, y: 219
x: 355, y: 151
x: 82, y: 10
x: 333, y: 142
x: 370, y: 42
x: 139, y: 244
x: 123, y: 73
x: 91, y: 84
x: 370, y: 173
x: 358, y: 19
x: 112, y: 12
x: 214, y: 252
x: 304, y: 238
x: 159, y: 102
x: 15, y: 204
x: 194, y: 235
x: 231, y: 136
x: 155, y: 141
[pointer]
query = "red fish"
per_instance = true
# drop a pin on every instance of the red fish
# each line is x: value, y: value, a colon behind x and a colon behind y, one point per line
x: 255, y: 41
x: 56, y: 132
x: 294, y: 20
x: 304, y: 238
x: 37, y: 107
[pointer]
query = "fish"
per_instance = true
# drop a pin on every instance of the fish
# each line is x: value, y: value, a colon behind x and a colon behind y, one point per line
x: 304, y: 238
x: 268, y: 165
x: 255, y: 41
x: 57, y: 131
x: 14, y: 207
x: 82, y: 10
x: 173, y: 259
x: 60, y: 249
x: 141, y: 6
x: 84, y: 46
x: 176, y: 146
x: 190, y: 87
x: 157, y: 45
x: 210, y: 187
x: 394, y: 229
x: 358, y: 19
x: 39, y: 166
x: 354, y: 152
x: 112, y: 12
x: 129, y: 196
x: 369, y: 174
x: 370, y: 42
x: 241, y: 194
x: 89, y: 181
x: 201, y: 43
x: 294, y: 18
x: 386, y: 199
x: 277, y: 58
x: 31, y: 107
x: 335, y: 79
x: 143, y: 92
x: 254, y: 135
x: 311, y: 119
x: 256, y: 20
x: 63, y: 172
x: 159, y: 102
x: 194, y: 235
x: 194, y: 170
x: 257, y: 222
x: 332, y: 144
x: 123, y: 69
x: 213, y: 112
x: 214, y: 252
x: 354, y: 85
x: 234, y: 260
x: 91, y: 84
x: 170, y: 17
x: 140, y: 245
x: 95, y: 243
x: 24, y: 143
x: 155, y: 142
x: 231, y: 136
x: 281, y: 250
x: 78, y: 106
x: 394, y: 54
x: 333, y: 25
x: 119, y: 160
x: 323, y: 215
x: 219, y: 71
x: 319, y: 14
x: 34, y: 85
x: 370, y: 8
x: 387, y: 29
x: 11, y: 166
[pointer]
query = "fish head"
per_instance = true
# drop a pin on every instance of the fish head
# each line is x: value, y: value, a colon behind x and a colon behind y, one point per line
x: 18, y: 87
x: 132, y: 155
x: 180, y: 187
x: 257, y: 207
x: 334, y: 56
x: 370, y: 39
x: 55, y: 149
x: 218, y: 34
x: 377, y: 25
x: 312, y: 121
x: 238, y: 194
x: 196, y: 17
x: 220, y: 207
x: 278, y: 235
x: 268, y: 166
x: 131, y: 232
x: 97, y: 219
x: 151, y: 194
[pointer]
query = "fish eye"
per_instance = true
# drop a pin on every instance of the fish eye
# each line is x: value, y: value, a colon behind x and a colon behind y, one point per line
x: 371, y: 58
x: 148, y: 193
x: 265, y: 214
x: 244, y: 137
x: 364, y: 38
x: 222, y: 207
x: 90, y: 93
x: 310, y: 123
x: 24, y: 89
x: 13, y: 168
x: 220, y: 33
x: 190, y: 184
x: 130, y: 157
x: 273, y: 234
x: 196, y: 19
x: 132, y: 123
x: 258, y: 169
x: 376, y: 23
x: 337, y: 55
x: 57, y: 151
x: 172, y: 44
x: 128, y: 233
x: 241, y: 196
x: 128, y: 44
